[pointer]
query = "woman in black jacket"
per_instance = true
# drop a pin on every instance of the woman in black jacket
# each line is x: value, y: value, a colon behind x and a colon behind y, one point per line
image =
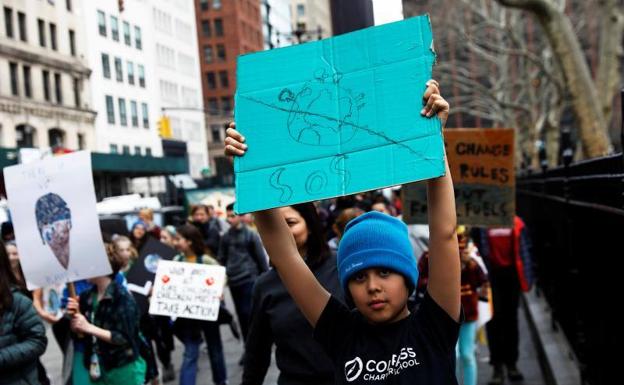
x: 275, y: 318
x: 22, y: 334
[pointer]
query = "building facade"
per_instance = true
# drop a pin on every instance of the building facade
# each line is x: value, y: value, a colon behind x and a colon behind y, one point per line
x: 225, y: 29
x: 44, y: 76
x: 311, y: 19
x: 276, y: 23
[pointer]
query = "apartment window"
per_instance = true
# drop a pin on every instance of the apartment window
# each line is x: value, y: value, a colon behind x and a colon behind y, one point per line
x: 8, y: 22
x: 41, y: 28
x: 145, y: 113
x: 300, y: 10
x: 106, y: 66
x: 148, y: 151
x: 206, y: 29
x: 218, y: 26
x: 208, y: 54
x: 58, y: 91
x: 126, y: 32
x: 46, y: 85
x: 114, y: 28
x: 215, y: 130
x: 141, y: 76
x: 226, y: 104
x: 110, y: 110
x: 137, y: 37
x: 113, y: 149
x: 14, y: 79
x: 125, y: 150
x: 77, y: 92
x: 72, y: 42
x: 68, y: 5
x: 53, y: 36
x: 137, y: 150
x: 134, y: 113
x: 223, y: 79
x: 216, y: 4
x: 131, y: 73
x: 221, y: 52
x: 101, y: 23
x: 118, y: 70
x: 27, y: 82
x: 212, y: 80
x: 203, y: 4
x: 213, y: 106
x: 21, y: 24
x: 123, y: 117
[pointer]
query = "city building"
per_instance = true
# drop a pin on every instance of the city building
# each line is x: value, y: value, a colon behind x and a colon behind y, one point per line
x: 311, y: 19
x: 351, y: 15
x: 44, y: 76
x: 225, y: 29
x: 276, y: 23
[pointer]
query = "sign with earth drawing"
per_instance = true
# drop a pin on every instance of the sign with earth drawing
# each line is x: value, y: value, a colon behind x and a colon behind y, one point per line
x: 336, y: 116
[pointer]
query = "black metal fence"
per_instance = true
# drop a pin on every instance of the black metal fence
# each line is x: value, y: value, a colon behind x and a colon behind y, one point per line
x: 575, y: 215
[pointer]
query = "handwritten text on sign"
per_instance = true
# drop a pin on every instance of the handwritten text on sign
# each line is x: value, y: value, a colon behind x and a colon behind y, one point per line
x: 187, y: 290
x: 482, y: 165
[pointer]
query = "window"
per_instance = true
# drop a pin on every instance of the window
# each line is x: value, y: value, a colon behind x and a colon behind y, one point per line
x: 25, y: 136
x: 223, y: 79
x: 213, y: 106
x: 215, y: 130
x: 77, y: 92
x: 41, y: 28
x: 113, y: 149
x: 125, y: 150
x: 300, y: 10
x: 101, y: 23
x: 212, y: 80
x: 46, y: 85
x: 226, y: 104
x: 221, y: 52
x: 110, y: 110
x: 81, y: 142
x: 21, y: 24
x: 145, y: 113
x: 148, y: 151
x: 123, y: 117
x: 27, y: 82
x: 218, y: 26
x: 118, y: 70
x: 56, y: 138
x: 8, y: 22
x: 126, y: 32
x: 68, y: 5
x: 137, y: 150
x: 58, y: 88
x: 141, y: 76
x: 216, y: 4
x: 106, y: 66
x: 137, y: 37
x: 206, y: 29
x: 130, y: 73
x: 203, y: 4
x: 208, y: 54
x: 72, y: 42
x: 114, y: 28
x: 14, y: 79
x: 134, y: 114
x: 53, y: 36
x: 186, y: 64
x: 165, y: 56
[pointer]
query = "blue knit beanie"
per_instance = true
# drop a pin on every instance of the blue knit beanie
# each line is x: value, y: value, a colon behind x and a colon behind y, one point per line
x: 375, y: 239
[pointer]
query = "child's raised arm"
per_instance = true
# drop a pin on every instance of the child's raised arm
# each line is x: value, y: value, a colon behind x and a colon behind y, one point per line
x: 444, y: 263
x: 309, y: 295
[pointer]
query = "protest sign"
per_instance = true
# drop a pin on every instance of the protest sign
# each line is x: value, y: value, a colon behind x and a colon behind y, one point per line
x: 52, y: 203
x: 187, y: 290
x: 482, y: 166
x: 141, y: 275
x: 336, y: 116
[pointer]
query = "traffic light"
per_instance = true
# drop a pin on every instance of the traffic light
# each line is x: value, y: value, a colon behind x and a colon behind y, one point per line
x: 164, y: 127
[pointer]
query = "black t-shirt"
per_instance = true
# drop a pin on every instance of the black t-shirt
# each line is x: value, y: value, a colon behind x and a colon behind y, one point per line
x: 419, y: 349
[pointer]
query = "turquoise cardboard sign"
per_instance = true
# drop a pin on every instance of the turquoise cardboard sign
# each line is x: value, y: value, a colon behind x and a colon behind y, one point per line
x: 336, y: 116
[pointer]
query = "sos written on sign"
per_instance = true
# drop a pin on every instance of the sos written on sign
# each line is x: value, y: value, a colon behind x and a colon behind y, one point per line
x: 482, y: 166
x: 187, y: 290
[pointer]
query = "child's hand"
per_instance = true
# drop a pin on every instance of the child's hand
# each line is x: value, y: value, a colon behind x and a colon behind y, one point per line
x: 434, y: 102
x: 234, y: 142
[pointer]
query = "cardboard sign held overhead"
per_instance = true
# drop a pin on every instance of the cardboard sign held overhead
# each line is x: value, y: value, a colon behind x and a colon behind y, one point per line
x: 336, y: 116
x: 52, y: 203
x: 482, y: 166
x: 187, y: 290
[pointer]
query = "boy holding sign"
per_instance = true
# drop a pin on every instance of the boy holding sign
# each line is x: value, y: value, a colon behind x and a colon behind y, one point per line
x: 383, y: 342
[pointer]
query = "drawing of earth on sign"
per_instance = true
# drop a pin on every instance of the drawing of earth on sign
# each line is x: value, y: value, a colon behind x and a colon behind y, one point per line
x: 54, y: 223
x: 308, y: 122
